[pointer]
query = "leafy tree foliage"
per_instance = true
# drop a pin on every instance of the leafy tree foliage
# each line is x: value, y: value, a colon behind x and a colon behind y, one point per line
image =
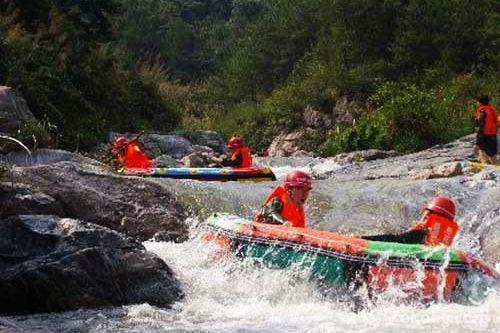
x: 253, y: 66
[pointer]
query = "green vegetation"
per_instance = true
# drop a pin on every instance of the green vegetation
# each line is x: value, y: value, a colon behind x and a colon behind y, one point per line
x: 252, y: 66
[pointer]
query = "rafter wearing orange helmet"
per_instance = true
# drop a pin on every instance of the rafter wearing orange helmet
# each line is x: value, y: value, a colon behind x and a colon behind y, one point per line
x: 130, y: 155
x: 285, y: 205
x: 436, y: 227
x: 438, y: 222
x: 240, y: 156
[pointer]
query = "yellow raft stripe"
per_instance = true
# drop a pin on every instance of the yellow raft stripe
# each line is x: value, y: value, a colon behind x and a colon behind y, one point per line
x: 480, y: 165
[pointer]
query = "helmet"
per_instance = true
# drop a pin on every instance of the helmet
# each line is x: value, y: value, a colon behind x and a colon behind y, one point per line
x: 120, y: 143
x: 298, y: 178
x: 234, y: 142
x: 442, y: 206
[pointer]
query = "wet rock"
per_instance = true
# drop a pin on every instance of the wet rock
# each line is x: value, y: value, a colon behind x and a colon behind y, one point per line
x: 14, y: 111
x: 18, y: 199
x: 170, y: 236
x: 92, y: 192
x: 51, y: 264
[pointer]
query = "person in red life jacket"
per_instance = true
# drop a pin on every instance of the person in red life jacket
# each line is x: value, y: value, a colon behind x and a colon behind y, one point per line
x: 240, y: 156
x: 436, y: 227
x: 130, y: 155
x: 438, y: 221
x: 285, y: 205
x: 487, y: 121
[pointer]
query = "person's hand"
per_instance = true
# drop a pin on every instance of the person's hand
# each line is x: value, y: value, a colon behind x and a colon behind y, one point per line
x: 216, y: 160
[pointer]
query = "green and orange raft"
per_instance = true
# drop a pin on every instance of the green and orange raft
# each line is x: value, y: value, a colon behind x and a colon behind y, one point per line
x: 253, y: 174
x: 430, y: 272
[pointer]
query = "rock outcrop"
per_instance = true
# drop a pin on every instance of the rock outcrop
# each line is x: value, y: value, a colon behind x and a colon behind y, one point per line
x: 89, y: 191
x: 14, y: 111
x: 50, y: 264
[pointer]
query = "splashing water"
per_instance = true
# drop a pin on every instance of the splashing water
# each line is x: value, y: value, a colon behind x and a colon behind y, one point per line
x: 225, y: 294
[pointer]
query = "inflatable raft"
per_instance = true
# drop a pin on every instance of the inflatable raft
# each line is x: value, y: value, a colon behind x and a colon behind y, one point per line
x: 428, y: 272
x: 253, y: 174
x: 479, y: 165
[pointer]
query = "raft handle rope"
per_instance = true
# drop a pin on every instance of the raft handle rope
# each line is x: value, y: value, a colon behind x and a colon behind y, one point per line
x: 401, y: 262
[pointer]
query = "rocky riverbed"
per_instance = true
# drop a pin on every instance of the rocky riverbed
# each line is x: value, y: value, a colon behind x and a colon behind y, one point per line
x: 63, y: 215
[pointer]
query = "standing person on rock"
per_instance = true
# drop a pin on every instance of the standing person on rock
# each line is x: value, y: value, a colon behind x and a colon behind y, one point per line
x: 487, y: 122
x: 239, y: 157
x: 285, y: 205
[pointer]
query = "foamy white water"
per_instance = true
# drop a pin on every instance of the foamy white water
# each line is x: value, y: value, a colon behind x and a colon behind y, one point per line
x: 225, y: 294
x: 229, y: 295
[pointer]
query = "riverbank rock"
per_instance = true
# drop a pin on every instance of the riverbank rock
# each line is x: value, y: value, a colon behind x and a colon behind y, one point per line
x: 14, y: 111
x: 16, y: 199
x: 51, y: 264
x: 441, y: 161
x: 286, y: 144
x: 88, y: 190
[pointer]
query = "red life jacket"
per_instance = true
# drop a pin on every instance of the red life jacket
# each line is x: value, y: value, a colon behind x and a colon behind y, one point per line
x: 290, y: 211
x: 133, y: 157
x: 490, y: 126
x: 246, y: 157
x: 440, y: 230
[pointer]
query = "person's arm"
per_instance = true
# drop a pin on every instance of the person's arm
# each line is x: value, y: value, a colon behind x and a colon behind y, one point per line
x: 271, y: 212
x: 419, y: 225
x: 236, y: 161
x: 481, y: 122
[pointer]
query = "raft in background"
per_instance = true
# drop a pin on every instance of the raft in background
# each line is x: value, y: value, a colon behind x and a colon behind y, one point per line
x: 253, y: 174
x: 479, y: 165
x: 426, y: 272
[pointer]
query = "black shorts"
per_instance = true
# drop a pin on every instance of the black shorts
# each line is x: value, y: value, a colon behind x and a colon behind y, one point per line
x: 488, y: 144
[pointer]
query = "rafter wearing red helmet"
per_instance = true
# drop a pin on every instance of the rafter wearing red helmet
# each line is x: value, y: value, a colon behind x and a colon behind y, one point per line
x: 436, y: 227
x: 130, y: 155
x: 285, y: 205
x: 240, y: 156
x: 438, y: 222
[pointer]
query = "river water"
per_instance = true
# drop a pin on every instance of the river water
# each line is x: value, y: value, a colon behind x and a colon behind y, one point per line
x: 224, y: 294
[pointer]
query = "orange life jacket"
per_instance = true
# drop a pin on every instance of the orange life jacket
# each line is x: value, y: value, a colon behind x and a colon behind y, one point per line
x: 440, y: 230
x: 246, y: 157
x: 133, y: 157
x: 490, y: 126
x: 290, y: 211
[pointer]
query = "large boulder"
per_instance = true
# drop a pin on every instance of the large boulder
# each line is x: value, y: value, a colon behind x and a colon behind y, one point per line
x: 14, y: 111
x: 50, y: 264
x: 91, y: 192
x: 174, y: 145
x: 286, y: 144
x: 18, y: 199
x: 209, y: 139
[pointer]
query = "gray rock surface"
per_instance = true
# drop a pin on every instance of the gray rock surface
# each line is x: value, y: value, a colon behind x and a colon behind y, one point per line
x: 92, y: 192
x: 286, y: 144
x: 14, y: 111
x: 50, y: 264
